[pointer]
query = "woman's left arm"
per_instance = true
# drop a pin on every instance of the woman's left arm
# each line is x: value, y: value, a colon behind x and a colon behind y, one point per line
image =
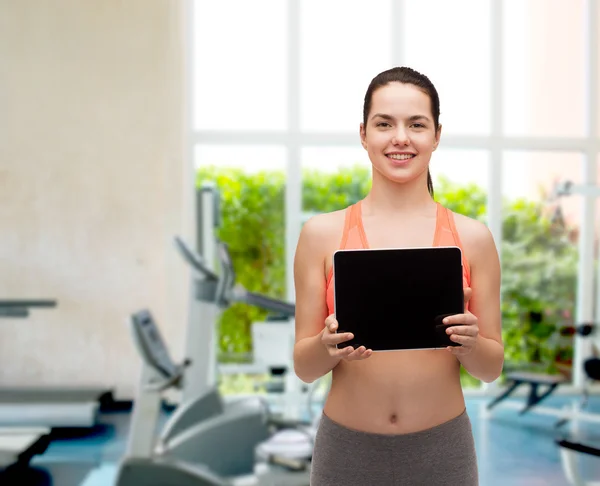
x: 479, y: 330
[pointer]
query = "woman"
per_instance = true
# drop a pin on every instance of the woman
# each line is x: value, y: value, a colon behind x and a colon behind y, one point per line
x: 396, y: 417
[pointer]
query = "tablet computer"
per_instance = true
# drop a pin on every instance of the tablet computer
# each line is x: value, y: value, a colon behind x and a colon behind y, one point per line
x: 395, y: 299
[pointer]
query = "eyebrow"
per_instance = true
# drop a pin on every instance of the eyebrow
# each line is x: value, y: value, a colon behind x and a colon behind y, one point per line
x: 391, y: 118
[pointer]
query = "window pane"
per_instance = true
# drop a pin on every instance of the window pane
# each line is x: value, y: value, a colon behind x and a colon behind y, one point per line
x: 544, y: 68
x: 240, y: 65
x: 343, y: 46
x: 461, y: 167
x: 334, y: 159
x: 333, y: 178
x: 539, y: 260
x: 251, y: 180
x: 455, y: 55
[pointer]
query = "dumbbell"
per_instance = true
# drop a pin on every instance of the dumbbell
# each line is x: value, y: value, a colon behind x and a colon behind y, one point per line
x: 582, y: 329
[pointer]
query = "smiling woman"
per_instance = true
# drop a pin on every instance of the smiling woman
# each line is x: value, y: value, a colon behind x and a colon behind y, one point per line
x: 394, y: 395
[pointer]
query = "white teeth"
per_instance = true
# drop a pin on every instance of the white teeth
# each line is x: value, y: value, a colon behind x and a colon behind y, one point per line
x: 400, y: 156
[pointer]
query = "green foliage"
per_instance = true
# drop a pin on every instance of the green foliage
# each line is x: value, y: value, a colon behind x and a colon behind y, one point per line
x: 252, y: 210
x: 539, y: 260
x: 538, y: 285
x: 322, y: 192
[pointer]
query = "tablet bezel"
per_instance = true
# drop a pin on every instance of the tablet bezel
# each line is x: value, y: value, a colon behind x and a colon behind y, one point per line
x: 427, y: 248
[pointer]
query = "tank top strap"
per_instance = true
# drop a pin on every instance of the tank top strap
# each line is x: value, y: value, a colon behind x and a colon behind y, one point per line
x: 352, y: 237
x: 452, y: 227
x: 349, y: 222
x: 449, y: 236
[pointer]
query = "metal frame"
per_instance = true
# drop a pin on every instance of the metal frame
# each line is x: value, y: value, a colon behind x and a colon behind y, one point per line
x: 496, y: 143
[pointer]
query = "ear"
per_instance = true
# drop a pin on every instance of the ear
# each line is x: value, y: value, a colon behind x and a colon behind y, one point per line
x: 438, y: 135
x: 363, y: 136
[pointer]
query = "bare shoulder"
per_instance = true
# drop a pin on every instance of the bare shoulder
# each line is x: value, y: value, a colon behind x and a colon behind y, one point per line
x: 323, y: 230
x: 476, y: 238
x: 320, y: 237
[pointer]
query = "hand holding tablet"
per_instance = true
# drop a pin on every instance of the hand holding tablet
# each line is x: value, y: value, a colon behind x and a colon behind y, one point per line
x: 333, y: 340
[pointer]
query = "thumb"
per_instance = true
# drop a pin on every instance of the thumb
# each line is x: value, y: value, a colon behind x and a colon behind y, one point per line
x: 467, y: 292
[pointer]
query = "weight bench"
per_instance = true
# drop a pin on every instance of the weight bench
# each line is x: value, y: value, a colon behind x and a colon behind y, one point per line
x: 534, y: 380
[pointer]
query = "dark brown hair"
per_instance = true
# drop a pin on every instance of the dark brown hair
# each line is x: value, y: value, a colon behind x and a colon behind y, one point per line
x: 405, y: 75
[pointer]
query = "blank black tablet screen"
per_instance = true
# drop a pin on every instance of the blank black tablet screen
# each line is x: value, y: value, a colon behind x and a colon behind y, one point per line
x: 396, y: 298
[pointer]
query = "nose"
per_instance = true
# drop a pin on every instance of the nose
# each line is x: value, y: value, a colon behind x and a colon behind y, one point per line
x: 400, y: 137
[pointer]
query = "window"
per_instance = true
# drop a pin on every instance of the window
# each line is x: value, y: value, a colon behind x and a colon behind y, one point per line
x: 240, y: 75
x: 343, y: 46
x: 278, y: 91
x: 544, y: 72
x: 455, y: 56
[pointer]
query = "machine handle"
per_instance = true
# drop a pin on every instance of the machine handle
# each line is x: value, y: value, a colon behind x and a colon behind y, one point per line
x: 574, y: 446
x: 264, y: 302
x: 11, y: 303
x: 171, y: 381
x: 195, y: 260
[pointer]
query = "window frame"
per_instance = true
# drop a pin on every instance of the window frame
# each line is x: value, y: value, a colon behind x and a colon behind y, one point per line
x: 496, y: 143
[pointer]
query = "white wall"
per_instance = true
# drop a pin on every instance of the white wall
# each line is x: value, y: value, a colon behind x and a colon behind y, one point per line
x: 92, y: 158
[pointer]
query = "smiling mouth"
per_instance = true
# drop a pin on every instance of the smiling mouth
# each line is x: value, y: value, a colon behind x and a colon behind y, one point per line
x: 400, y: 156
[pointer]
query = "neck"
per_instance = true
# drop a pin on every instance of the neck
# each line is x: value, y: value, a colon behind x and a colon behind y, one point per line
x: 391, y: 197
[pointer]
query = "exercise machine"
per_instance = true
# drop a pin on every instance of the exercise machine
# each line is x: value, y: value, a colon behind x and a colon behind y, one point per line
x: 51, y: 407
x: 18, y: 445
x: 207, y: 435
x: 276, y: 334
x: 221, y: 291
x: 541, y: 386
x: 569, y: 452
x: 570, y: 448
x: 212, y: 291
x: 226, y: 454
x: 273, y: 339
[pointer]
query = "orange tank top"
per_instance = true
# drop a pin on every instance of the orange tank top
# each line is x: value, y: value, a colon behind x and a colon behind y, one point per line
x: 354, y: 237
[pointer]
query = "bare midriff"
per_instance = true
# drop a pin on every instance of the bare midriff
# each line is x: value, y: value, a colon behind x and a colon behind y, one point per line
x: 396, y: 392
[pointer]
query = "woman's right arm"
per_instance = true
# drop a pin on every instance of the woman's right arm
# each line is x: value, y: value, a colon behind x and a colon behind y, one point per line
x: 311, y: 357
x: 315, y: 352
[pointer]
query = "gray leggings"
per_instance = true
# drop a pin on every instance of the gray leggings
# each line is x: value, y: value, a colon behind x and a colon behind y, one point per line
x: 443, y: 455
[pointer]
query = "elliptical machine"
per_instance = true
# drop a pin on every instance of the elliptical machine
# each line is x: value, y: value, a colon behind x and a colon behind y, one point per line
x: 207, y: 441
x: 225, y: 443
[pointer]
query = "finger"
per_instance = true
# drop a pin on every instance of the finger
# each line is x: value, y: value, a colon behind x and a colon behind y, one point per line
x: 359, y: 353
x: 468, y: 292
x: 333, y: 339
x: 342, y: 353
x: 333, y: 326
x: 464, y: 340
x: 467, y: 319
x: 463, y: 330
x: 330, y: 320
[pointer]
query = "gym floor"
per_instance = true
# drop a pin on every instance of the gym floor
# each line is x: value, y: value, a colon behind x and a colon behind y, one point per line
x: 512, y: 450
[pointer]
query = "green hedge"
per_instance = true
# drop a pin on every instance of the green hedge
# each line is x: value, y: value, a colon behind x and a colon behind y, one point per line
x: 539, y: 260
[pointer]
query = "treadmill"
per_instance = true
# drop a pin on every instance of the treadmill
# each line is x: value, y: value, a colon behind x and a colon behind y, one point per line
x: 28, y: 415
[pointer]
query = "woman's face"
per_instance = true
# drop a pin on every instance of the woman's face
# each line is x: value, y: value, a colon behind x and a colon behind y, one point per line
x: 400, y: 134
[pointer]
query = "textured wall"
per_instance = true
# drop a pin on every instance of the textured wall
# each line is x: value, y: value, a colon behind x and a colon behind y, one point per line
x: 92, y: 184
